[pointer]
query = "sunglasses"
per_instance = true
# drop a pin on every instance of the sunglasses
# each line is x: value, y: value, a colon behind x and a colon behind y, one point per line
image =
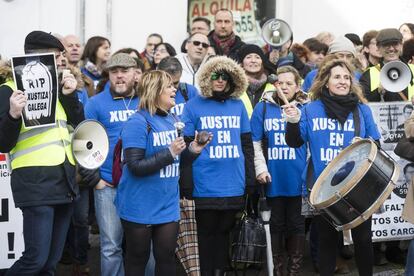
x: 197, y: 43
x: 223, y: 76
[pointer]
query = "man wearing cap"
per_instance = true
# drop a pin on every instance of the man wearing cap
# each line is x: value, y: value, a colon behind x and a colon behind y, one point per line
x: 43, y: 178
x: 112, y: 107
x: 341, y: 48
x: 389, y: 42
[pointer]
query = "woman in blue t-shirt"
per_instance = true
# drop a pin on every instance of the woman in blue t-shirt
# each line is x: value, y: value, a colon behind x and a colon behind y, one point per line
x: 337, y: 101
x: 147, y: 199
x: 282, y: 168
x: 225, y: 167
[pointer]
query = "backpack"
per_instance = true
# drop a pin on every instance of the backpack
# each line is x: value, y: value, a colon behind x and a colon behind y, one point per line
x: 118, y: 159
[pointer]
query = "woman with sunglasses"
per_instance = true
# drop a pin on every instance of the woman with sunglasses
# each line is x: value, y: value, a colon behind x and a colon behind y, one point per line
x: 225, y: 167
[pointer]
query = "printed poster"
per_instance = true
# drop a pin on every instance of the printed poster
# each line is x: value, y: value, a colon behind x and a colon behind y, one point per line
x: 36, y: 76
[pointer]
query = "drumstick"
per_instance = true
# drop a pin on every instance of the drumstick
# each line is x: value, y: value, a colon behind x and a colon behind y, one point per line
x: 272, y: 78
x: 282, y: 95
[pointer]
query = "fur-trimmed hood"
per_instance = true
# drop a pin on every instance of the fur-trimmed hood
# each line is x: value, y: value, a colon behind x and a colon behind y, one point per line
x: 217, y: 64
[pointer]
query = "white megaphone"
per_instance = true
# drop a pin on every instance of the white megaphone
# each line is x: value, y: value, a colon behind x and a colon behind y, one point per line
x: 276, y: 32
x: 90, y: 144
x: 395, y: 76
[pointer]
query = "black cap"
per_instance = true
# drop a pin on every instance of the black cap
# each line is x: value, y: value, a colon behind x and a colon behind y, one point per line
x: 38, y: 40
x: 388, y: 36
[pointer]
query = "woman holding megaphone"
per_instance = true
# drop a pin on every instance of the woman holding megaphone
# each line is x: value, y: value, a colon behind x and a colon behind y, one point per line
x: 147, y: 199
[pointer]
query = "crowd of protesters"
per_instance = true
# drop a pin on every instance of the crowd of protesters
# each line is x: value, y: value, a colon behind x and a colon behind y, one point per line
x: 216, y: 83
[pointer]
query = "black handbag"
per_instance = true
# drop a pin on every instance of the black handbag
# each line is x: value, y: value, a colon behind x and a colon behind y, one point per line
x: 405, y: 149
x: 249, y: 238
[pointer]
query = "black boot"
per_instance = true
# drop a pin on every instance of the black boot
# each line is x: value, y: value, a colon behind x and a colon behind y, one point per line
x: 218, y: 272
x: 278, y: 248
x: 295, y: 248
x: 206, y: 273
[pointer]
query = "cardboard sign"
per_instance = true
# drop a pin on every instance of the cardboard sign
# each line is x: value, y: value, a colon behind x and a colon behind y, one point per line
x: 387, y: 224
x: 36, y: 76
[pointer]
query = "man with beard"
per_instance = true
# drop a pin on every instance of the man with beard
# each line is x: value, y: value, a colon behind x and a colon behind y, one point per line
x: 112, y: 107
x: 224, y: 41
x: 389, y: 43
x: 196, y: 47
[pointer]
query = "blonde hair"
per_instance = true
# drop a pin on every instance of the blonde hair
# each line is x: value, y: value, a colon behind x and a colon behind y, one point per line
x: 290, y: 69
x: 152, y: 84
x: 325, y: 73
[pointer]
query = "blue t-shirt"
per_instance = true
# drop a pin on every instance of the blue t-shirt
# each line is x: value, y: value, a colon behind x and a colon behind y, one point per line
x: 83, y: 96
x: 179, y: 98
x: 310, y: 77
x: 112, y: 112
x: 285, y: 164
x: 154, y: 198
x: 327, y: 137
x: 219, y: 170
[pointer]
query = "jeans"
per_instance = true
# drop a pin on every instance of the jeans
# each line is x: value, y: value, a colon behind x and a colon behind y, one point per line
x: 44, y: 231
x: 409, y: 267
x: 78, y: 235
x: 111, y: 232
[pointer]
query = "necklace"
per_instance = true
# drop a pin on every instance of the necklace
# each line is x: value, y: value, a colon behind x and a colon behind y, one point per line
x: 127, y: 105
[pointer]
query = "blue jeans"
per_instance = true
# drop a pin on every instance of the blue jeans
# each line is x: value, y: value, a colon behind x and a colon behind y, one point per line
x: 44, y: 232
x: 409, y: 267
x: 78, y: 235
x: 111, y: 232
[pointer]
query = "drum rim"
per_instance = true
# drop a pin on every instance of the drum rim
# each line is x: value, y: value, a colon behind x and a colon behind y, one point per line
x: 353, y: 181
x: 371, y: 210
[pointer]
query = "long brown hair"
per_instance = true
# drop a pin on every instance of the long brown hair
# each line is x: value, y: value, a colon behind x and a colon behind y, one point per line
x: 324, y: 74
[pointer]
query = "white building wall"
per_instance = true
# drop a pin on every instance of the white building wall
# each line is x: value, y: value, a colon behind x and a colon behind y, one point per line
x: 133, y: 20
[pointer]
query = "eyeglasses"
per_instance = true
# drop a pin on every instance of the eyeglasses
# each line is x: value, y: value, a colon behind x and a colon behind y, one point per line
x: 223, y: 76
x: 161, y: 51
x: 197, y: 43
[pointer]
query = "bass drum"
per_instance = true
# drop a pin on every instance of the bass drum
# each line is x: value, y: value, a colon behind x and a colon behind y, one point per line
x: 355, y: 184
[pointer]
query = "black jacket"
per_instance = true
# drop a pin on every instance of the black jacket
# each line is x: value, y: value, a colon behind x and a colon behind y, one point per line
x: 35, y: 186
x: 233, y: 54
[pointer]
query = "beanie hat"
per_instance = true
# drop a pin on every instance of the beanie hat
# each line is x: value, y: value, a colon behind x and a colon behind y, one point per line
x: 342, y: 44
x: 250, y: 49
x: 38, y: 40
x: 120, y: 60
x: 389, y: 35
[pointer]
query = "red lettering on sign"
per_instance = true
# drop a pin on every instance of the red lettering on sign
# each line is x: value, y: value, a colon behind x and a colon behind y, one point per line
x: 196, y: 11
x: 247, y: 6
x: 208, y: 8
x: 203, y: 10
x: 2, y: 157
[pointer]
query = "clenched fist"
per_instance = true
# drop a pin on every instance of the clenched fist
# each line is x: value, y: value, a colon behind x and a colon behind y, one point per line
x: 69, y: 83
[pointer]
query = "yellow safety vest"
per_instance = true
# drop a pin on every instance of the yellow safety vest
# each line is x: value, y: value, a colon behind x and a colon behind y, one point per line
x: 374, y: 74
x: 248, y: 104
x: 42, y: 146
